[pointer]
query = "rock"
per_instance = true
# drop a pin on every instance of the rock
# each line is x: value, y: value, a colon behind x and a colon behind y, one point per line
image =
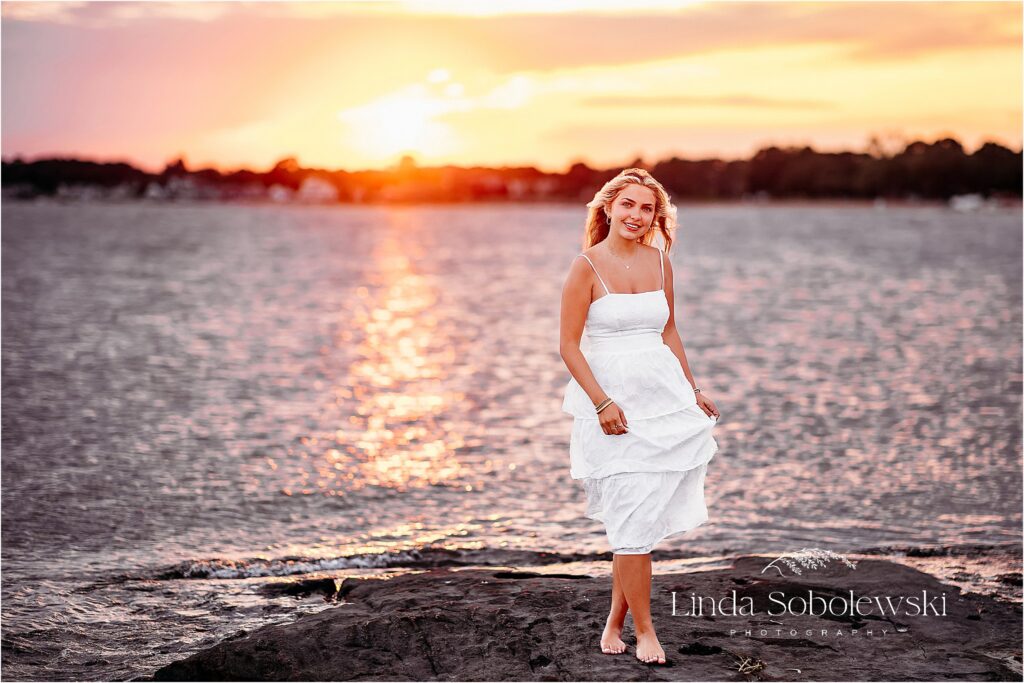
x: 498, y: 625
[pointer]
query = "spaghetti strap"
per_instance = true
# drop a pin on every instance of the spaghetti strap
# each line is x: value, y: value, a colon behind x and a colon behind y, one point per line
x: 596, y: 273
x: 661, y: 255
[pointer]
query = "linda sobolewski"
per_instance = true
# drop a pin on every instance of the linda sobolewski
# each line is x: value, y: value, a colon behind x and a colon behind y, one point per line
x: 816, y: 605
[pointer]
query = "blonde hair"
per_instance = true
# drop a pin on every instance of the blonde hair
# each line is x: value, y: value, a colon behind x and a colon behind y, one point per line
x: 664, y: 211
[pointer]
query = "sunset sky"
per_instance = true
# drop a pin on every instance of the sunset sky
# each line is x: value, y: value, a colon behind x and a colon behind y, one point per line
x: 357, y: 85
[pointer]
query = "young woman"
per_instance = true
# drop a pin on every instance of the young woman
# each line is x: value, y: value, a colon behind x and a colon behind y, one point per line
x: 641, y: 438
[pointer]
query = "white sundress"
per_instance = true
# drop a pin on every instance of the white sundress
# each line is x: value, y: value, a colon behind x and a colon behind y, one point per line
x: 648, y: 483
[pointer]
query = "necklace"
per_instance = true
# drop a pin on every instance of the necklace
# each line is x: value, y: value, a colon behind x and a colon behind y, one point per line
x: 621, y: 260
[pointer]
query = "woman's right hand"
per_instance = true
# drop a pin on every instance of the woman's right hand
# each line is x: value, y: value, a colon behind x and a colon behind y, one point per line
x: 613, y: 420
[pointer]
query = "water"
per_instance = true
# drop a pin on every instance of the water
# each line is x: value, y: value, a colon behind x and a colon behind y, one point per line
x: 204, y: 402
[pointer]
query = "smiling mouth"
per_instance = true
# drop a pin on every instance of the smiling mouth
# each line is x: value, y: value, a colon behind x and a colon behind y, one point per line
x: 630, y: 226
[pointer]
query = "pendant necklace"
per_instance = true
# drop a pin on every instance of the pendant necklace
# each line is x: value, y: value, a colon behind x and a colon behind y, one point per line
x: 635, y: 250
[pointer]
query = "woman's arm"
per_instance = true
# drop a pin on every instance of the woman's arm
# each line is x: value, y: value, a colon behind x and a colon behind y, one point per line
x: 671, y: 335
x: 576, y: 293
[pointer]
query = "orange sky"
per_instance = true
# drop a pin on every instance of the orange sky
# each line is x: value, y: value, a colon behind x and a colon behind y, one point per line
x: 356, y: 85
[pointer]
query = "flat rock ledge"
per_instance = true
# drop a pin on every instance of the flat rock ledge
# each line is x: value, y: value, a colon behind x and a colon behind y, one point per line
x: 496, y: 625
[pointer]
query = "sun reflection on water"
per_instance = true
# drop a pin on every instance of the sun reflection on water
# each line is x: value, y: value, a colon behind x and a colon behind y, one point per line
x: 396, y: 437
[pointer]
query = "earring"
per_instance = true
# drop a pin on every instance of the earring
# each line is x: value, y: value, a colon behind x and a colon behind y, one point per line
x: 607, y: 219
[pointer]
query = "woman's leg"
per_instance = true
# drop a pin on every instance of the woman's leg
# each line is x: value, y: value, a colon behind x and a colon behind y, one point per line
x: 611, y: 639
x: 635, y: 575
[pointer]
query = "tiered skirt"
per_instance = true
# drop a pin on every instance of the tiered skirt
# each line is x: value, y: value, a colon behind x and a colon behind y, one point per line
x: 648, y: 483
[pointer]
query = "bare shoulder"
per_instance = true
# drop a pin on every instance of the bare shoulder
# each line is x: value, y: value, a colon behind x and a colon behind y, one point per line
x: 579, y: 269
x: 579, y: 282
x: 656, y: 250
x: 594, y: 256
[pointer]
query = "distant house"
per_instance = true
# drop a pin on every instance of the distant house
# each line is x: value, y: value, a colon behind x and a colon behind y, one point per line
x: 79, y: 192
x: 154, y: 191
x: 966, y: 202
x: 19, y: 191
x: 183, y: 187
x: 315, y: 189
x: 280, y: 193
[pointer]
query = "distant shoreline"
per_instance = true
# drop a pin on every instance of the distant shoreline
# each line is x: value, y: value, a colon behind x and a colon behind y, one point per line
x: 880, y: 203
x: 941, y: 170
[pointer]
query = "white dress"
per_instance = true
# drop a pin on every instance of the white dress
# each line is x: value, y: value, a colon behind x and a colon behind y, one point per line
x: 648, y: 483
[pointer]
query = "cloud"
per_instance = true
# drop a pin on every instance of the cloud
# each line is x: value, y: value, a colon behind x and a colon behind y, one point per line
x: 114, y: 14
x: 595, y: 33
x: 742, y: 101
x: 51, y: 12
x: 98, y: 14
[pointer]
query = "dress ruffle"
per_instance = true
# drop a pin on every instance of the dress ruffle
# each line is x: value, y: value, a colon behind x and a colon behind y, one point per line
x: 647, y: 383
x: 673, y: 442
x: 640, y: 509
x: 648, y: 483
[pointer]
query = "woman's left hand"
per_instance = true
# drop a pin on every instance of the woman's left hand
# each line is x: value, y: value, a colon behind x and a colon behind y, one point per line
x: 707, y: 405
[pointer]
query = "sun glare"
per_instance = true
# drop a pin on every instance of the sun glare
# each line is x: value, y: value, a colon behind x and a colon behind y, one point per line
x: 405, y: 121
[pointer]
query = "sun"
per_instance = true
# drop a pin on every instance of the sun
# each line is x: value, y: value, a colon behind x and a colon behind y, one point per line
x: 403, y: 122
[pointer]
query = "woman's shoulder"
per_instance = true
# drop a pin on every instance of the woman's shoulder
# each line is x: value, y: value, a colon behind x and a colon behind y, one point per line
x: 591, y: 254
x: 580, y: 264
x: 651, y: 249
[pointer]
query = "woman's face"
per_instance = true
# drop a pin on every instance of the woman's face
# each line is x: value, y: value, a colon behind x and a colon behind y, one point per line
x: 632, y: 208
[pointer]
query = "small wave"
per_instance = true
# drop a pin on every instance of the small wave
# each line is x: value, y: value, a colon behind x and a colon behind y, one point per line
x: 965, y: 549
x: 429, y: 557
x: 418, y: 558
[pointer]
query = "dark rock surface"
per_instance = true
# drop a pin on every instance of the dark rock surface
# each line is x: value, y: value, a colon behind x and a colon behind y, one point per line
x: 480, y: 624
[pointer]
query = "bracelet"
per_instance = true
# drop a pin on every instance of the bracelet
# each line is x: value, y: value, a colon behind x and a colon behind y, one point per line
x: 696, y: 390
x: 603, y: 404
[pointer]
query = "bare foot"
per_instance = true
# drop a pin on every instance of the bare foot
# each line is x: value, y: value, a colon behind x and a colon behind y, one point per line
x: 648, y: 649
x: 611, y: 642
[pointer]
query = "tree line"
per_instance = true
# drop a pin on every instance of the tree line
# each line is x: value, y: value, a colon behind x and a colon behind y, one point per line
x: 937, y: 170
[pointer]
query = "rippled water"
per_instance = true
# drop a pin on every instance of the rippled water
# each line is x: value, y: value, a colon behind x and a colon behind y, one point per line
x: 202, y: 402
